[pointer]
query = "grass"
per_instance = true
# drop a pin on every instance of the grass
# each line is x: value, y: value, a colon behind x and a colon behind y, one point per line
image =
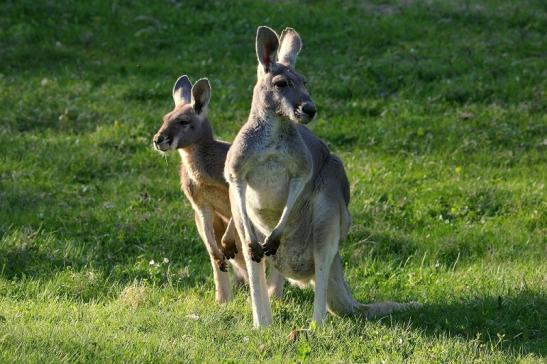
x: 437, y: 109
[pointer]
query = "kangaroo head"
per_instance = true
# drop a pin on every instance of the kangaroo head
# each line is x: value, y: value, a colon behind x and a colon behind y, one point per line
x: 279, y: 87
x: 187, y: 123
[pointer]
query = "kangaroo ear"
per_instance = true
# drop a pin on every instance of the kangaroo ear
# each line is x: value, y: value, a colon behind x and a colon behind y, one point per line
x: 267, y: 43
x: 201, y: 94
x: 181, y: 90
x: 290, y: 47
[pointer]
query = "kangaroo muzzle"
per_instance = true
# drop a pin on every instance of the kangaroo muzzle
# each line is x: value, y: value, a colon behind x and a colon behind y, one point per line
x: 309, y: 109
x: 306, y: 112
x: 161, y: 142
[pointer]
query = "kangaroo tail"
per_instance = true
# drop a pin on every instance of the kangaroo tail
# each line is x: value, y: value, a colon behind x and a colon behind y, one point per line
x: 340, y: 302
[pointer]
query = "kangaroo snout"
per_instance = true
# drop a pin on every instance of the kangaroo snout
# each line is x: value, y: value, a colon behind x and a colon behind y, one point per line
x: 161, y: 142
x: 309, y: 109
x: 307, y: 112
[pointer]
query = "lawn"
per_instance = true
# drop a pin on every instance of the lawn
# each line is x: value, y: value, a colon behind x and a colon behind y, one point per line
x: 437, y: 108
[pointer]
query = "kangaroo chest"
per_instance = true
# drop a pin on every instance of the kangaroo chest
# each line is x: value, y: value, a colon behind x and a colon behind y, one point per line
x: 268, y: 180
x: 202, y: 192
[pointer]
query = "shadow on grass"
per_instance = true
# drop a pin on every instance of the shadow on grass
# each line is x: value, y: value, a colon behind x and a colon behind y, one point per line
x: 513, y: 323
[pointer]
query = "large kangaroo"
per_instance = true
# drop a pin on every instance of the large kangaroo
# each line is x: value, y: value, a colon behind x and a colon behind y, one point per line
x: 187, y: 129
x: 288, y: 190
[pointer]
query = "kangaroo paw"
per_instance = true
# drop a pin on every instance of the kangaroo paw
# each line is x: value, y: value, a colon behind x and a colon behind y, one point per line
x: 229, y: 248
x: 271, y: 245
x: 256, y: 252
x: 222, y: 264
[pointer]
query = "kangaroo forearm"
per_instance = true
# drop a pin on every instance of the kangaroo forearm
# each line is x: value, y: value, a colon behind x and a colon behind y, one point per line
x: 207, y: 232
x: 237, y: 198
x: 230, y: 232
x: 296, y: 186
x: 228, y: 241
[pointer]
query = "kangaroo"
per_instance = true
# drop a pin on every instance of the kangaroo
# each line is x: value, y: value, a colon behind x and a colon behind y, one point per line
x: 186, y: 128
x: 287, y: 189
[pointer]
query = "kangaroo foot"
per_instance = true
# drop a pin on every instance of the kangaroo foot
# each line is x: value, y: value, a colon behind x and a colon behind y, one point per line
x: 271, y: 244
x: 256, y: 252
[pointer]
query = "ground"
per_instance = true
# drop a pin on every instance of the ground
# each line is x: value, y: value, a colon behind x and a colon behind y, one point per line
x: 437, y: 109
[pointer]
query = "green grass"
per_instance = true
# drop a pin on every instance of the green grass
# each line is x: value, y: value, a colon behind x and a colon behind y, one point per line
x: 438, y: 110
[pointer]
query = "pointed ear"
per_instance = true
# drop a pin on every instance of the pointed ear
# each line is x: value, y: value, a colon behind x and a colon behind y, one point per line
x: 290, y: 45
x: 267, y: 44
x: 201, y: 94
x: 181, y: 90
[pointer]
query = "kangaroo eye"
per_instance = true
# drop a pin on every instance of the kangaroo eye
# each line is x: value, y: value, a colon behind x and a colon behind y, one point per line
x: 281, y: 83
x: 183, y: 121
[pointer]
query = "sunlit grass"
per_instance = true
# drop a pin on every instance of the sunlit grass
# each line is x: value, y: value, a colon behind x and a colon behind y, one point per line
x: 436, y: 108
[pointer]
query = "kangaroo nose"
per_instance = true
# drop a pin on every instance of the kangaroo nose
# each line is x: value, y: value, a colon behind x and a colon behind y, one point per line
x: 309, y: 109
x: 158, y: 139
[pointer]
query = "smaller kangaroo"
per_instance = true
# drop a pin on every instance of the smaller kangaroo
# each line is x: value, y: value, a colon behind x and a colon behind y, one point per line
x: 187, y: 129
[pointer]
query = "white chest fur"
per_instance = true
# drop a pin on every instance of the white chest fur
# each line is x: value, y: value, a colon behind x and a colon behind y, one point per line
x: 267, y: 190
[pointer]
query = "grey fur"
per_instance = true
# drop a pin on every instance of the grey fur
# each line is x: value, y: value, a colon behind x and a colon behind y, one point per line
x: 182, y: 90
x: 288, y: 190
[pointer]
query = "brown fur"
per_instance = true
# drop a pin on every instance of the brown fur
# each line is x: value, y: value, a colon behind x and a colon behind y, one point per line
x: 187, y: 129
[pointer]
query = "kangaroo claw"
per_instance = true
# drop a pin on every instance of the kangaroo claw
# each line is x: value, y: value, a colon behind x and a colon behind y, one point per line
x: 222, y: 264
x: 271, y: 245
x: 229, y: 249
x: 256, y: 252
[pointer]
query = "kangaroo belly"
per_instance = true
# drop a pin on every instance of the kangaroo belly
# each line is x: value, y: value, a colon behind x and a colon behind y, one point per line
x: 294, y: 258
x: 266, y: 195
x: 219, y: 200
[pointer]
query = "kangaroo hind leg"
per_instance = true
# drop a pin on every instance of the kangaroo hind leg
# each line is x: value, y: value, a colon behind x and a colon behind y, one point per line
x: 262, y: 311
x: 326, y: 236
